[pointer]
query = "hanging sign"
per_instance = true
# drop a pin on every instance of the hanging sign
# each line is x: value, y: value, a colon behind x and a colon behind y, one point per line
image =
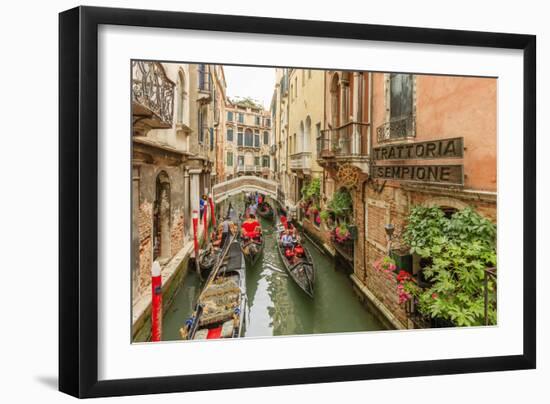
x: 431, y: 149
x: 442, y: 174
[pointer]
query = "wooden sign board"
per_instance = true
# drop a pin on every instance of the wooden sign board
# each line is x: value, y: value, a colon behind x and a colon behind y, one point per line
x: 438, y: 174
x: 432, y: 149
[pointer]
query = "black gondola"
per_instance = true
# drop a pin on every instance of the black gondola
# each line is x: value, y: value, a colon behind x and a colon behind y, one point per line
x: 209, y: 256
x: 266, y: 211
x: 299, y: 264
x: 252, y: 247
x: 220, y: 311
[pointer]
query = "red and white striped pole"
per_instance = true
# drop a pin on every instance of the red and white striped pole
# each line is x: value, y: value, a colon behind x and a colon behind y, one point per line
x: 196, y: 233
x: 212, y: 212
x: 156, y: 303
x: 205, y: 217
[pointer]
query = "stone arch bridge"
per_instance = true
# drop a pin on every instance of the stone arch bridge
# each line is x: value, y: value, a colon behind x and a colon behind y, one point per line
x: 245, y: 183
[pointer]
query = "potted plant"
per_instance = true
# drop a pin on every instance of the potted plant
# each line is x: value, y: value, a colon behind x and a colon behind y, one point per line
x: 341, y: 233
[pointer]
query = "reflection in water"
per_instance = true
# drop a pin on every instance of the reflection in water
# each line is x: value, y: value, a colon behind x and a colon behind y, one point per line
x: 277, y: 306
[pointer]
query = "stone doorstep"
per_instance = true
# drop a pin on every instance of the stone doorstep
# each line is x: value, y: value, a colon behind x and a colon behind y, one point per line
x: 142, y: 306
x: 377, y: 303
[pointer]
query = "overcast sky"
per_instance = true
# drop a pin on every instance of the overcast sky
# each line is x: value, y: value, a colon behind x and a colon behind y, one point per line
x: 255, y: 82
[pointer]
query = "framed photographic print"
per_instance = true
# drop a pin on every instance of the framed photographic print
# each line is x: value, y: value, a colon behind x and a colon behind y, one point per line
x: 251, y: 201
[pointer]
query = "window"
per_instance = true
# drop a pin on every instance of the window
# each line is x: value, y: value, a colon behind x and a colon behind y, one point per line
x: 230, y: 116
x: 258, y: 120
x: 268, y: 122
x: 248, y: 138
x: 181, y: 97
x: 241, y: 160
x: 266, y: 137
x: 230, y: 159
x: 257, y: 160
x: 240, y: 137
x: 401, y: 86
x: 204, y: 78
x: 256, y: 140
x: 211, y: 130
x: 265, y: 161
x: 202, y: 120
x: 230, y: 134
x: 241, y: 117
x: 318, y: 136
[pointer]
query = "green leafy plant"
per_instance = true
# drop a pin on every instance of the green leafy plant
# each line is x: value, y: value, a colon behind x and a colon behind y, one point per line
x: 312, y: 191
x: 341, y: 204
x: 456, y: 250
x: 325, y: 215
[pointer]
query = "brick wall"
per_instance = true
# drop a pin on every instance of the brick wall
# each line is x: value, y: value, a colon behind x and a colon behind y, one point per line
x: 392, y: 205
x: 176, y: 234
x: 145, y: 229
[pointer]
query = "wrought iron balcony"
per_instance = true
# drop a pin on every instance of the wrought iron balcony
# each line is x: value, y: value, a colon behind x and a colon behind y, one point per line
x: 349, y: 140
x: 152, y: 95
x: 300, y: 161
x: 397, y: 129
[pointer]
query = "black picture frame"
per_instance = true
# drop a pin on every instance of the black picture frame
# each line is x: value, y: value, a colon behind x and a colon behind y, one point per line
x: 78, y: 200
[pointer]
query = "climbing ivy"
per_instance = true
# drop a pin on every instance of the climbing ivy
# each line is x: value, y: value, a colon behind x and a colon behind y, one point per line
x: 457, y: 251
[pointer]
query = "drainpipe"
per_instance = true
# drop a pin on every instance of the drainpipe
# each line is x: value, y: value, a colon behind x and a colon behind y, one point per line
x: 369, y: 147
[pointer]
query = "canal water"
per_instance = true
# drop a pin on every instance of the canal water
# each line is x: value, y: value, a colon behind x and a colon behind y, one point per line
x: 277, y: 306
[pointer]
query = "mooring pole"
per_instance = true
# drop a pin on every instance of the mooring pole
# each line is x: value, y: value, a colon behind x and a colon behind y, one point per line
x: 205, y: 217
x: 156, y: 302
x: 196, y: 240
x: 212, y: 211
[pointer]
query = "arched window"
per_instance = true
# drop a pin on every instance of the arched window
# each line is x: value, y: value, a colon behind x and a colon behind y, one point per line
x: 161, y: 217
x: 182, y: 97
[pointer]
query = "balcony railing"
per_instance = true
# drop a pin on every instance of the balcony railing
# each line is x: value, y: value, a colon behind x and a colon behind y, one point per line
x: 397, y: 129
x: 349, y: 140
x: 300, y: 161
x: 152, y: 94
x: 249, y: 168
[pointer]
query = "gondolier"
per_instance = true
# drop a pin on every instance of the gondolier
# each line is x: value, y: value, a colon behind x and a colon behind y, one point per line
x: 226, y: 228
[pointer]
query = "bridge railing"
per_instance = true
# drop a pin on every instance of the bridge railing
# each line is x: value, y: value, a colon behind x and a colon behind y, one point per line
x: 246, y: 183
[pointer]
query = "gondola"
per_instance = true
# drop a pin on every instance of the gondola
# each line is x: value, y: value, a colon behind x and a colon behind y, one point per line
x: 252, y: 248
x: 220, y: 310
x: 300, y: 266
x: 209, y: 256
x: 266, y: 211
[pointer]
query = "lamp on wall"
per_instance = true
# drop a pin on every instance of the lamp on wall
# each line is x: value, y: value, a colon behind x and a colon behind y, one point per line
x: 389, y: 228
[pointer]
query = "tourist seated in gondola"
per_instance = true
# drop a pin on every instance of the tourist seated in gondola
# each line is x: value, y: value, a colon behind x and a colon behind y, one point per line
x: 286, y: 240
x: 251, y: 229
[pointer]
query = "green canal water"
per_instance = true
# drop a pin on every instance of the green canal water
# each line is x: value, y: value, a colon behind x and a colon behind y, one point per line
x: 277, y: 306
